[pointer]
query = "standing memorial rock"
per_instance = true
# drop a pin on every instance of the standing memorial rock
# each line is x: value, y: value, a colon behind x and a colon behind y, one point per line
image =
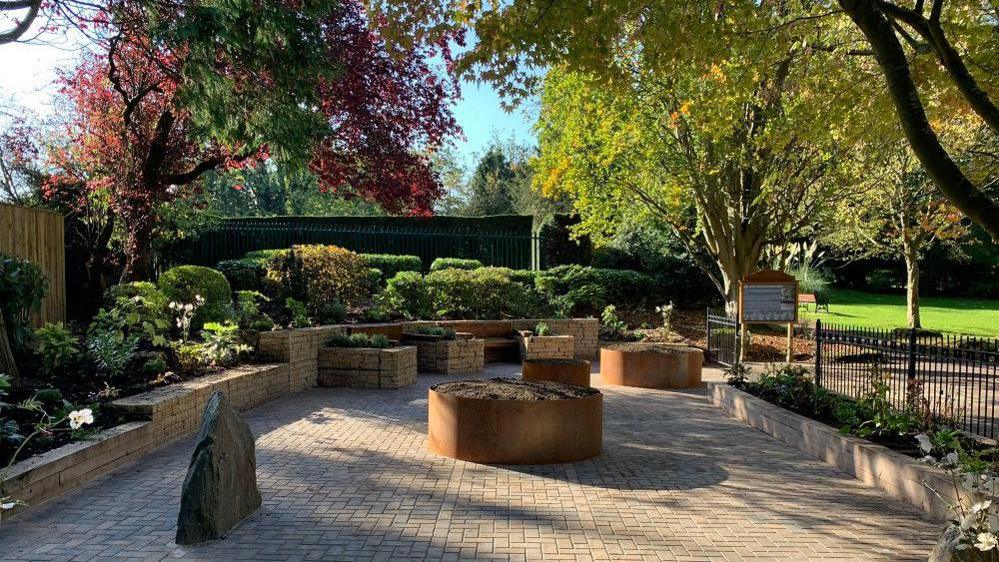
x: 221, y: 485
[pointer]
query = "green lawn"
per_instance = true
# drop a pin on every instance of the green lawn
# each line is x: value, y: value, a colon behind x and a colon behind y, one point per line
x: 871, y: 310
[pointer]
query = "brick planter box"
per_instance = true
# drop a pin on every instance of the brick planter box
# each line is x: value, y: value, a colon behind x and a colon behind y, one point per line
x: 298, y: 348
x: 545, y: 347
x: 361, y: 367
x: 895, y: 474
x: 447, y: 357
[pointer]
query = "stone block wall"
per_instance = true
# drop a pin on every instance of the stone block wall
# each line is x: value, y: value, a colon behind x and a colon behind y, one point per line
x: 546, y: 347
x: 585, y: 333
x: 393, y: 367
x: 449, y: 357
x: 298, y: 348
x: 177, y: 410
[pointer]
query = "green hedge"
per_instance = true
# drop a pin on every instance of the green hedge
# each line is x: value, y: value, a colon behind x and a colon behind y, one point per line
x: 487, y: 292
x: 182, y: 283
x: 454, y: 263
x: 390, y: 264
x: 243, y: 274
x: 586, y: 290
x: 406, y: 294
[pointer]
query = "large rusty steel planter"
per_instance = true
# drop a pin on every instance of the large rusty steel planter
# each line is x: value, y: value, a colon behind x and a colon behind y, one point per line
x: 567, y: 371
x: 651, y: 366
x: 492, y: 431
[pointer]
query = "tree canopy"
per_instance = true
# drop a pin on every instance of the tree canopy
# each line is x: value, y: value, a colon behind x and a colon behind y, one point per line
x: 922, y: 61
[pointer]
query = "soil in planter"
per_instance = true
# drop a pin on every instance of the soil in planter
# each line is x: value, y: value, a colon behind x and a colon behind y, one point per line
x: 653, y: 347
x: 513, y: 389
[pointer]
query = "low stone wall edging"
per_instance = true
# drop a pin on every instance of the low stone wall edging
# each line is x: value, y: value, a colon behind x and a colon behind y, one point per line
x: 893, y: 473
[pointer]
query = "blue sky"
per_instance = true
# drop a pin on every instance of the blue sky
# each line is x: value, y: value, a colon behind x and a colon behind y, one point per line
x: 28, y: 71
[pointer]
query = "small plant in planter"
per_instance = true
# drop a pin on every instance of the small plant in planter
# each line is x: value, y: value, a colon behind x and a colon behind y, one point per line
x: 542, y: 329
x: 432, y: 333
x: 377, y: 341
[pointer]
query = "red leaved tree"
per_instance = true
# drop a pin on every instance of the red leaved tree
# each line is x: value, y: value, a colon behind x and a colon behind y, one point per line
x: 133, y: 140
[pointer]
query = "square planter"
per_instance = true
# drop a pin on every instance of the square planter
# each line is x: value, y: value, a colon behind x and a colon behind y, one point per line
x: 435, y: 354
x: 362, y: 367
x: 545, y: 347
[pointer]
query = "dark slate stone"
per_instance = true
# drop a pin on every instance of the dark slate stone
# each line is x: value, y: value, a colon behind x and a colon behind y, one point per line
x: 221, y: 485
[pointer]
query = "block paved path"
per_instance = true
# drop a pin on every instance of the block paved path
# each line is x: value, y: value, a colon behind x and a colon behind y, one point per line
x: 345, y: 475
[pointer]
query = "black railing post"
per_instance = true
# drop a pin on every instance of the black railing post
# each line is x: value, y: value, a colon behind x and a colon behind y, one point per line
x: 707, y: 337
x: 818, y: 353
x: 910, y: 368
x: 737, y: 357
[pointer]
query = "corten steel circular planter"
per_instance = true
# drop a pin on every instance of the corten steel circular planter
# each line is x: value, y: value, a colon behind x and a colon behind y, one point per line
x: 651, y: 366
x: 568, y: 371
x: 496, y: 431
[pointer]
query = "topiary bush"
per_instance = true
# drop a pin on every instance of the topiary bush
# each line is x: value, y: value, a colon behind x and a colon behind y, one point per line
x: 407, y: 295
x: 182, y: 283
x: 391, y: 264
x: 454, y: 263
x: 322, y: 274
x: 243, y: 274
x: 487, y: 292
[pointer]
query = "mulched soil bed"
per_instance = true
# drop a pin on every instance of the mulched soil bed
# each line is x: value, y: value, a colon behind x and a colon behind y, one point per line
x: 663, y: 348
x: 763, y: 347
x: 513, y: 389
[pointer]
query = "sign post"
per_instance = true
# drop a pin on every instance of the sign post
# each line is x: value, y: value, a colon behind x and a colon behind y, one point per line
x: 770, y: 297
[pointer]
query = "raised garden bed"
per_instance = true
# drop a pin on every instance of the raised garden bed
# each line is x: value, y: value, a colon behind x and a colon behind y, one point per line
x: 567, y: 371
x: 533, y: 346
x: 513, y: 421
x: 453, y: 354
x: 364, y: 367
x: 648, y: 365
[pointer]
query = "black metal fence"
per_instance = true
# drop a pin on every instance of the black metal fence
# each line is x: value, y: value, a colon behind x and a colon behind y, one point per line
x: 517, y: 249
x: 956, y: 377
x: 722, y: 338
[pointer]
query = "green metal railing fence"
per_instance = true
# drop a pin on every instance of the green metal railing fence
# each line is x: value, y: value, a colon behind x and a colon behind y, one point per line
x: 231, y: 239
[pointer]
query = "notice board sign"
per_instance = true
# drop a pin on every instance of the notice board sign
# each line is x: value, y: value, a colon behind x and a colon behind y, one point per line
x: 768, y: 297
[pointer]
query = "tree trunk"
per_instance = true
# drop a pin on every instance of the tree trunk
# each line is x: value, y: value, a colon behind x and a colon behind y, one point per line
x: 940, y: 167
x: 7, y: 364
x: 912, y: 288
x: 139, y: 255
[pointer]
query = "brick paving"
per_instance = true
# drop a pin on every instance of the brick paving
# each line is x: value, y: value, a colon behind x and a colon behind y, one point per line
x: 345, y: 475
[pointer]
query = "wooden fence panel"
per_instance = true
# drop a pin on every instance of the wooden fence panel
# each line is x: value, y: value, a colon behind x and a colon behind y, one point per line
x: 38, y: 236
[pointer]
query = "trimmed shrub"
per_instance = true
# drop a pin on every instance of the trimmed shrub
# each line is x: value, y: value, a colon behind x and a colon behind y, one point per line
x: 406, y: 294
x: 557, y: 245
x: 390, y: 264
x: 182, y: 283
x: 22, y: 288
x: 322, y: 274
x: 243, y: 274
x: 454, y: 263
x: 487, y: 292
x: 593, y: 288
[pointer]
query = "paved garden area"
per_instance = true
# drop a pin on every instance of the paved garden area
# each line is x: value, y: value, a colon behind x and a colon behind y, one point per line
x: 345, y: 475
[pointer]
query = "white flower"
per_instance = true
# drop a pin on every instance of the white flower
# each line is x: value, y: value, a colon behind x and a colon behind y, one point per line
x: 925, y: 444
x: 986, y: 542
x: 950, y: 458
x: 969, y: 521
x: 981, y: 506
x: 172, y: 305
x: 928, y: 459
x: 7, y: 505
x: 78, y: 418
x: 188, y: 307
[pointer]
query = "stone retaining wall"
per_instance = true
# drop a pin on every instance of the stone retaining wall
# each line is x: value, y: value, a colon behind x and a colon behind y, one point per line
x: 163, y: 415
x: 393, y: 367
x: 298, y: 348
x: 546, y: 347
x: 895, y: 474
x: 449, y: 357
